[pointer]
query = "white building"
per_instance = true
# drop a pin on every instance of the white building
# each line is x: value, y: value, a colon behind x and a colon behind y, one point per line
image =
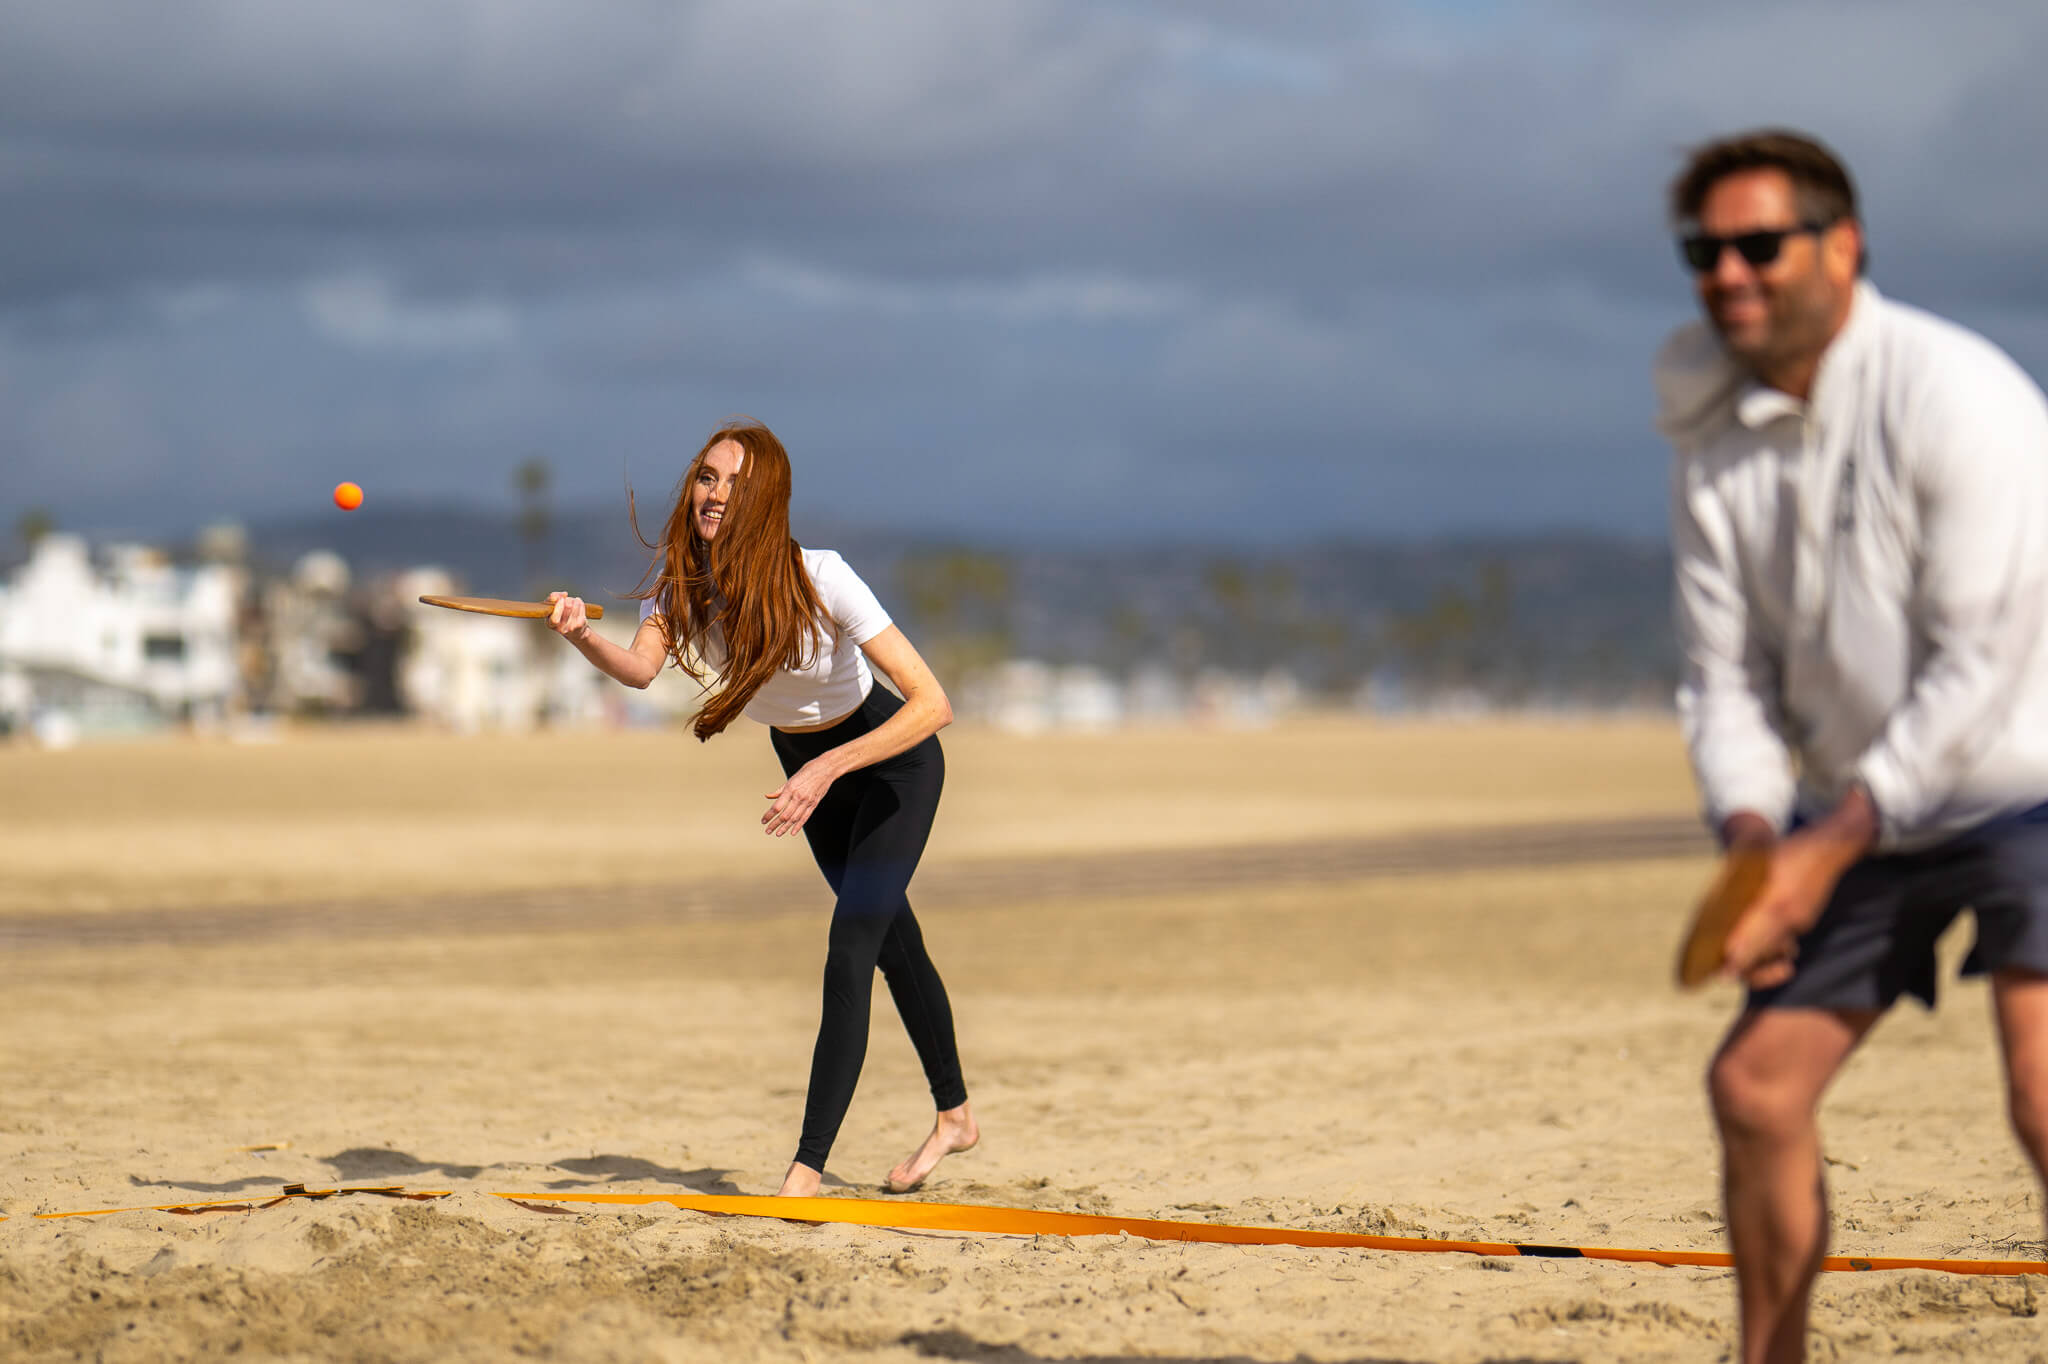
x: 131, y: 643
x: 1025, y: 696
x: 307, y: 620
x: 471, y: 672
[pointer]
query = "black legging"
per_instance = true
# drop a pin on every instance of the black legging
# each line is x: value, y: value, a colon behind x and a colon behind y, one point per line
x: 867, y: 834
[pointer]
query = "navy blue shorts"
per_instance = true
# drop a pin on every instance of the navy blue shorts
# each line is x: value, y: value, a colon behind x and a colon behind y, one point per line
x: 1875, y: 940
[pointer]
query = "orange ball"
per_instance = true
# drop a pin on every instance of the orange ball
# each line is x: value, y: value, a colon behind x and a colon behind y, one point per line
x: 347, y: 496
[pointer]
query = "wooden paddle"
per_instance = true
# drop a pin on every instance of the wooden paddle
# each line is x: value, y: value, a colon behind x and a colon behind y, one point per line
x: 1734, y: 889
x: 499, y: 606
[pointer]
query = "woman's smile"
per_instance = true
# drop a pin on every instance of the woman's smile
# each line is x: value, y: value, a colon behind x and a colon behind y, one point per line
x: 710, y: 494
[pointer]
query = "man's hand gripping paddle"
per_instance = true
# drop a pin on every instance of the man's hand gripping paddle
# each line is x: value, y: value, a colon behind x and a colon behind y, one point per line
x: 1734, y: 889
x: 499, y: 606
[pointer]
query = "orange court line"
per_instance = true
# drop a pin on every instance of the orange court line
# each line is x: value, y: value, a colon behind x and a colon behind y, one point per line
x: 966, y: 1217
x: 869, y: 1212
x: 250, y: 1202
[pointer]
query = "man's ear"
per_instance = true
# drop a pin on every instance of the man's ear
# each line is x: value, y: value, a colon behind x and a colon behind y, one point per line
x: 1842, y: 250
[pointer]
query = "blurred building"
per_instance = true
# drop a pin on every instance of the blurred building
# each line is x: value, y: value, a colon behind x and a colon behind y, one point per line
x: 127, y: 644
x: 470, y: 672
x: 307, y: 634
x: 1025, y: 696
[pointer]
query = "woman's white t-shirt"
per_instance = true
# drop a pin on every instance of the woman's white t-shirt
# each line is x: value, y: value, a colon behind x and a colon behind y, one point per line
x: 838, y: 678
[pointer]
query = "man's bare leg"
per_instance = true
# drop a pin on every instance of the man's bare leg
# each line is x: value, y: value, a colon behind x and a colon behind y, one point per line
x: 2020, y: 1000
x: 1766, y: 1083
x: 955, y: 1130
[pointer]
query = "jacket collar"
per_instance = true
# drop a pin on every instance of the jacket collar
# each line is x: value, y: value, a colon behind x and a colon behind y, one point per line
x: 1757, y: 405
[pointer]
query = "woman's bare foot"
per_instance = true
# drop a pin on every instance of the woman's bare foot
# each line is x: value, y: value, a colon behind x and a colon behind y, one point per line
x: 801, y: 1182
x: 954, y: 1131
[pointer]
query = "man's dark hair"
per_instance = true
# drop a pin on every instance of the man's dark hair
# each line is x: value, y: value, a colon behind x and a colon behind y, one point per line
x: 1820, y: 182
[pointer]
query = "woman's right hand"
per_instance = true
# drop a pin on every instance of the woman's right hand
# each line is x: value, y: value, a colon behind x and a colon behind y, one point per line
x: 568, y: 618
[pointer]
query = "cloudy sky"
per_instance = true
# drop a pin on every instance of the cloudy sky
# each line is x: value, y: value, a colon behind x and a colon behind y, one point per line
x: 1040, y: 270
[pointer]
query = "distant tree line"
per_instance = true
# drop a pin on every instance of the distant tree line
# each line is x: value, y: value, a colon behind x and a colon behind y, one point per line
x: 1515, y: 623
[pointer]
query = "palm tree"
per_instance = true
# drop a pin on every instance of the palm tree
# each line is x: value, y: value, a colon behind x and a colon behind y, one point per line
x: 35, y: 523
x: 531, y: 480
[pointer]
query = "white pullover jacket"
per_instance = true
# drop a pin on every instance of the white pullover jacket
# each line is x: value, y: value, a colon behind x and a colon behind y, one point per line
x: 1862, y: 578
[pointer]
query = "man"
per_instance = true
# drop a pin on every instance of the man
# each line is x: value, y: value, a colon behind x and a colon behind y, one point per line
x: 1860, y: 534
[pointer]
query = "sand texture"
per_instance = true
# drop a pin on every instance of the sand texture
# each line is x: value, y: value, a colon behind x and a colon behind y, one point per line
x: 1248, y: 1005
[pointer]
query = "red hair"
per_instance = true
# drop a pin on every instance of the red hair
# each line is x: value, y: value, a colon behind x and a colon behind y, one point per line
x: 748, y: 581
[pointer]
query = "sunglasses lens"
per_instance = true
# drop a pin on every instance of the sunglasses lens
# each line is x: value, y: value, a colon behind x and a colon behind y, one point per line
x: 1700, y: 253
x: 1703, y: 253
x: 1760, y: 248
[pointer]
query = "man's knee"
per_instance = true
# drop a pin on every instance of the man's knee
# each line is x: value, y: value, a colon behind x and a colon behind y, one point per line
x: 1752, y: 1099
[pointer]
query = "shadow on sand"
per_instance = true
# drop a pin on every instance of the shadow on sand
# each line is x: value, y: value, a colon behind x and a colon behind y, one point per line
x: 270, y: 1182
x: 610, y: 1169
x: 367, y: 1162
x: 957, y: 1345
x: 356, y: 1163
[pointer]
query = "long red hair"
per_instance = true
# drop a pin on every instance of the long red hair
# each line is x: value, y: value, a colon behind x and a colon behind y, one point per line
x: 748, y: 580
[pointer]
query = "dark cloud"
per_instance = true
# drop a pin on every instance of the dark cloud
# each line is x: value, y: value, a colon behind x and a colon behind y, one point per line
x: 1028, y: 268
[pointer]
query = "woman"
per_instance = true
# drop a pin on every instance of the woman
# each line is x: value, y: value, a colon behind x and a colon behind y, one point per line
x: 791, y: 634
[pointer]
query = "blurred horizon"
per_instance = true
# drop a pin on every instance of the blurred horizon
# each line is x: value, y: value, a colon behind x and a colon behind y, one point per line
x: 814, y: 527
x: 318, y: 617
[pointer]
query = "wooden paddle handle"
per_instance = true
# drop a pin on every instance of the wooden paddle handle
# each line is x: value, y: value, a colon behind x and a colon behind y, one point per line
x: 500, y: 606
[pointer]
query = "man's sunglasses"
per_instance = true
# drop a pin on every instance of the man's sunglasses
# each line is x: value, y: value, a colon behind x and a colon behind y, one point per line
x: 1702, y: 252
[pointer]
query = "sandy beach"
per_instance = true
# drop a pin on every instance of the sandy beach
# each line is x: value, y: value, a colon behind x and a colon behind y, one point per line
x: 1479, y: 1041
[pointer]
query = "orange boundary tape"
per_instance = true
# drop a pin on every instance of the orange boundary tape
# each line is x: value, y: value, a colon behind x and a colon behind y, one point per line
x: 869, y: 1212
x: 289, y: 1192
x: 967, y: 1217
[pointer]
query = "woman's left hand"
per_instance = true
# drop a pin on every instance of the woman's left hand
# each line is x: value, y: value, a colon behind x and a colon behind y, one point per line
x: 795, y: 799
